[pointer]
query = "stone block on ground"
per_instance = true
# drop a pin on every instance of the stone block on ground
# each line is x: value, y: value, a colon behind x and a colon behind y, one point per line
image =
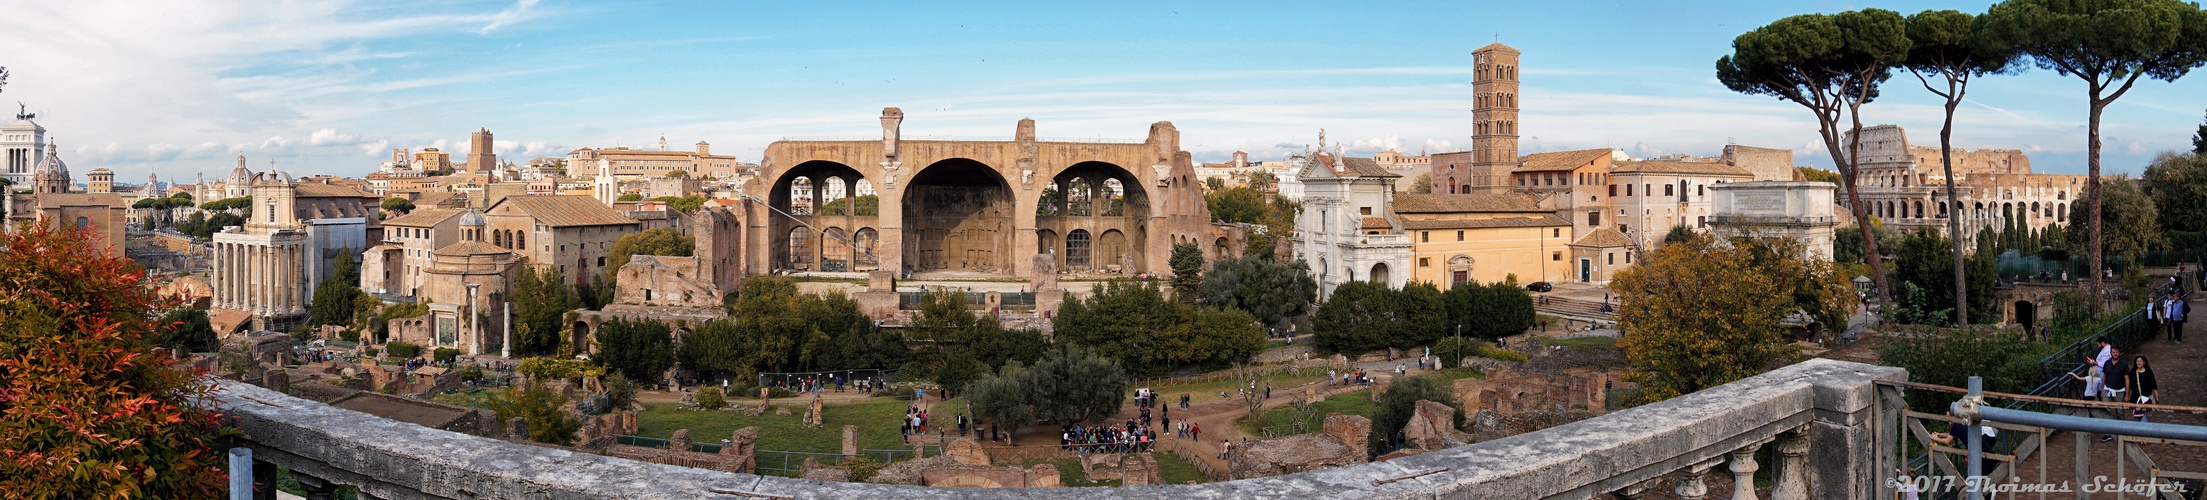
x: 966, y: 451
x: 850, y: 441
x: 1351, y: 430
x: 1291, y: 454
x: 680, y: 441
x: 1139, y: 469
x: 1430, y: 426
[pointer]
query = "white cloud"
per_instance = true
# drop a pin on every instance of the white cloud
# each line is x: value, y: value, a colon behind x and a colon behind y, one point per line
x: 329, y: 136
x: 150, y: 79
x: 1438, y: 146
x: 520, y: 11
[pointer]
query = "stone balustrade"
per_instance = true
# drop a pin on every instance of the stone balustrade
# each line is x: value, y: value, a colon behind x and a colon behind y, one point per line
x: 1830, y: 408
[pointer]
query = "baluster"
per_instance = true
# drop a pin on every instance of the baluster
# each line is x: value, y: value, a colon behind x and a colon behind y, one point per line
x: 1636, y: 491
x: 1690, y: 485
x: 317, y: 488
x: 1743, y: 471
x: 1793, y: 470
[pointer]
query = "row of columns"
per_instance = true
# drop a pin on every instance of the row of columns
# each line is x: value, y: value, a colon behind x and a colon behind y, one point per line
x: 1791, y: 480
x: 264, y: 279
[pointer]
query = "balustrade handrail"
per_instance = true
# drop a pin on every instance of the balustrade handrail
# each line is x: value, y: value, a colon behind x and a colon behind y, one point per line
x: 1815, y: 401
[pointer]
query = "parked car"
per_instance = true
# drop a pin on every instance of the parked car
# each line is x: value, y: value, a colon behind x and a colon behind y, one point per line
x: 1540, y: 286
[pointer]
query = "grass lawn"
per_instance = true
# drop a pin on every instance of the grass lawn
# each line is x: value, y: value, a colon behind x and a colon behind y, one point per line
x: 1455, y: 374
x: 1175, y: 470
x: 472, y: 398
x: 1207, y: 391
x: 878, y: 425
x: 1357, y: 403
x: 1589, y: 340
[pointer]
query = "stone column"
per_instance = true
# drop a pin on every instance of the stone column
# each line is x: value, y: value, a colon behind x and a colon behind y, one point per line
x: 216, y: 279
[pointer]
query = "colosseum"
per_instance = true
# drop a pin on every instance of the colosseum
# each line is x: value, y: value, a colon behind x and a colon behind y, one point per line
x: 1901, y: 184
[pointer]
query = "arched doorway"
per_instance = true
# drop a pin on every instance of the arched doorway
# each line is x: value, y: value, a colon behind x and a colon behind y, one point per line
x: 1078, y: 250
x: 2026, y: 314
x: 1379, y: 273
x: 806, y: 201
x: 1102, y: 201
x: 957, y: 217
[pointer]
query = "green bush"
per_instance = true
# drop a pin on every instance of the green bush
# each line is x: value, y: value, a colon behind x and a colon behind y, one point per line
x: 445, y: 355
x: 863, y: 468
x: 350, y: 335
x: 711, y: 399
x: 402, y: 350
x: 1487, y: 351
x: 368, y: 352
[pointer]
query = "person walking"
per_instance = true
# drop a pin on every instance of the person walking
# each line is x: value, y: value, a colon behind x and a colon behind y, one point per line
x: 2178, y: 309
x: 1195, y: 431
x: 1225, y: 449
x: 2116, y: 386
x: 2154, y: 310
x: 2147, y: 386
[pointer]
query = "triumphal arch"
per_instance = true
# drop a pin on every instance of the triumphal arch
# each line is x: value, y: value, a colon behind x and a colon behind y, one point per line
x: 975, y: 209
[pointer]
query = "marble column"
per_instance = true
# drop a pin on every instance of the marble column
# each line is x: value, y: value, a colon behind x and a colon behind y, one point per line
x: 222, y: 287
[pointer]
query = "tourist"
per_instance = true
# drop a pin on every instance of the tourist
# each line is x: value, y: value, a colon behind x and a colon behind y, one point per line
x: 2116, y: 384
x: 961, y: 425
x: 2092, y: 377
x: 1195, y: 431
x: 2178, y: 310
x: 2154, y: 309
x: 1225, y: 449
x: 2149, y: 388
x: 1987, y: 435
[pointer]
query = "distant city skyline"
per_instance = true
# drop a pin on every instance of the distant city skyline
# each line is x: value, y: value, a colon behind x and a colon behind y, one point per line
x: 330, y: 87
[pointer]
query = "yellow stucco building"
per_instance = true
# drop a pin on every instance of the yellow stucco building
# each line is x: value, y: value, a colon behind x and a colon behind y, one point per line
x: 1483, y: 238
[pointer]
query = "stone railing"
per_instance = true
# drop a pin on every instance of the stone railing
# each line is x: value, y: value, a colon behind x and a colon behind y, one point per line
x: 1384, y: 239
x: 1830, y: 408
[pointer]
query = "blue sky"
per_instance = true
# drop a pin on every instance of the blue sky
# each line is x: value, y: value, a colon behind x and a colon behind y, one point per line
x: 329, y: 87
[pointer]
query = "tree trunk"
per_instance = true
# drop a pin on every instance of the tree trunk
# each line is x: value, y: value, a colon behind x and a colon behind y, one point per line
x: 1854, y: 202
x: 2092, y: 195
x: 1854, y: 197
x: 1953, y: 223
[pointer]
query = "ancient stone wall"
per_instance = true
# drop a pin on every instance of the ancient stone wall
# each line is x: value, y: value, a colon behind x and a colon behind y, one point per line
x: 655, y: 281
x: 975, y: 206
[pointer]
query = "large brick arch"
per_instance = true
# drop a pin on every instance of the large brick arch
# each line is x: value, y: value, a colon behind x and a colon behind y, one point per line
x: 1172, y: 202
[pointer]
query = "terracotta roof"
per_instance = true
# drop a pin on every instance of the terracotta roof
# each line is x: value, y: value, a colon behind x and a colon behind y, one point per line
x: 1499, y: 46
x: 1562, y: 161
x: 1365, y: 167
x: 320, y: 190
x: 424, y: 217
x: 1678, y: 167
x: 1603, y: 238
x: 1542, y: 220
x: 1451, y: 203
x: 467, y: 248
x: 1376, y: 223
x: 439, y: 198
x: 566, y: 211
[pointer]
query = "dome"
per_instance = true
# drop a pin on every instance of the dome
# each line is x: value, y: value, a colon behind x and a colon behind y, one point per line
x: 471, y: 218
x: 241, y: 174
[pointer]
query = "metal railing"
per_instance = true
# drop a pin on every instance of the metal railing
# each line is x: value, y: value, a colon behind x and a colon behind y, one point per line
x: 1932, y: 464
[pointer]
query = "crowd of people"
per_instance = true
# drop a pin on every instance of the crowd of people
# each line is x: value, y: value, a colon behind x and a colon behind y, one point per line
x: 1131, y: 437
